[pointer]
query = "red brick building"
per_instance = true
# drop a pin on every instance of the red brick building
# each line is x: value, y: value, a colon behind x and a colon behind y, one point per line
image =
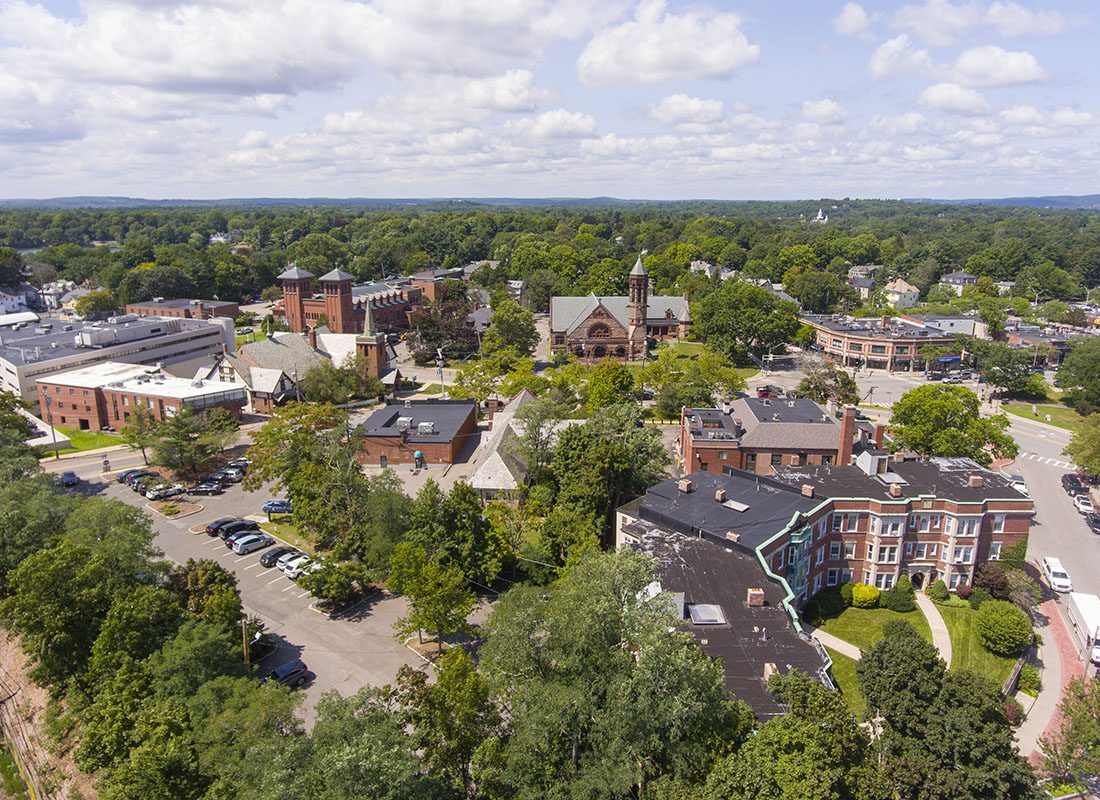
x: 342, y: 304
x: 184, y: 309
x: 758, y: 434
x: 75, y: 399
x: 438, y: 430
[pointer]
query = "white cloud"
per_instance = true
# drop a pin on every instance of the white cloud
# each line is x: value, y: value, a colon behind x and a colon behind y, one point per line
x: 898, y: 57
x: 824, y: 111
x: 907, y: 123
x: 852, y: 21
x: 513, y: 91
x: 927, y: 153
x: 994, y: 66
x: 556, y: 124
x: 1071, y: 118
x: 659, y: 45
x: 1039, y: 123
x: 684, y: 110
x: 941, y: 22
x: 1021, y: 115
x: 953, y: 98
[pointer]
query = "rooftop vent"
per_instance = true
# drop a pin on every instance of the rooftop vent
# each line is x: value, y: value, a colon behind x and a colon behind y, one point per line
x: 408, y: 404
x: 404, y: 423
x: 720, y: 495
x: 425, y: 428
x: 683, y: 485
x: 807, y: 490
x: 895, y: 490
x: 754, y: 598
x: 733, y: 536
x: 975, y: 481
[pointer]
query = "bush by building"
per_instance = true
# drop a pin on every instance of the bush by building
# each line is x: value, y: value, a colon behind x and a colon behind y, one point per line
x: 1029, y: 682
x: 977, y: 597
x: 1003, y: 628
x: 864, y: 596
x: 846, y: 593
x: 963, y: 591
x: 939, y: 592
x: 900, y: 597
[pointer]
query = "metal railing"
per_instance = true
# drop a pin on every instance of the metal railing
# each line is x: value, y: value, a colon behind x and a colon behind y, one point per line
x: 24, y: 751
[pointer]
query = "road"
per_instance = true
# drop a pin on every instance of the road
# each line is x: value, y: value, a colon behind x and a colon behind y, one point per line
x: 343, y: 654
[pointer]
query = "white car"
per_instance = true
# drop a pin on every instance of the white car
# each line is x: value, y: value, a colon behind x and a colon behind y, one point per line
x: 297, y: 567
x: 1057, y: 575
x: 1017, y: 483
x: 1083, y: 504
x: 283, y: 560
x: 164, y: 490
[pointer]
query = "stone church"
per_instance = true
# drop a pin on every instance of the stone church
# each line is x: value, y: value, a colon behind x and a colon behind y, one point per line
x: 593, y: 328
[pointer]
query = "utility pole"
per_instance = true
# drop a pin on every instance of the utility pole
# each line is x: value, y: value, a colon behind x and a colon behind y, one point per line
x: 49, y: 421
x: 244, y: 641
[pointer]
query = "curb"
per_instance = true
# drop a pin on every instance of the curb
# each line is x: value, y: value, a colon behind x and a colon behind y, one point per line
x: 1028, y: 421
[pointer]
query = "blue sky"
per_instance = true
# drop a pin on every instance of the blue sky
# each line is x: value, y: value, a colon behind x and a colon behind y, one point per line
x: 662, y: 99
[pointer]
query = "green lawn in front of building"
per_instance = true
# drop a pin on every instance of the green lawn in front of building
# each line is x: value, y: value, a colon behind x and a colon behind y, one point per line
x: 844, y: 675
x: 966, y: 648
x: 85, y: 440
x: 863, y: 626
x: 1060, y: 416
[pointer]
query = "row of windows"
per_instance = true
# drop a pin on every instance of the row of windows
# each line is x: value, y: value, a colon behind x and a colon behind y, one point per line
x: 888, y: 554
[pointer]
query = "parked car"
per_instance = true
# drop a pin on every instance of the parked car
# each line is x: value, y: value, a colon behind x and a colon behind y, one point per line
x: 1057, y: 575
x: 249, y: 543
x: 295, y: 567
x: 238, y: 526
x: 240, y: 463
x: 270, y: 558
x: 206, y: 488
x: 215, y: 526
x: 768, y: 391
x: 147, y: 482
x: 1072, y: 484
x: 216, y: 477
x: 278, y: 507
x: 1083, y: 504
x: 137, y: 475
x: 952, y: 379
x: 126, y: 473
x: 1093, y: 521
x: 164, y: 490
x: 292, y: 673
x: 68, y: 478
x: 229, y: 474
x: 286, y: 558
x: 1017, y: 482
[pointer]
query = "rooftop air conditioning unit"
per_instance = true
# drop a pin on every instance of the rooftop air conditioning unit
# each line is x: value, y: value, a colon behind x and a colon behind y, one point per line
x: 404, y: 423
x: 425, y: 428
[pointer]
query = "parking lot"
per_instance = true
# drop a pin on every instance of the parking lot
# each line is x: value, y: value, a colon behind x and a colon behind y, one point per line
x: 343, y: 654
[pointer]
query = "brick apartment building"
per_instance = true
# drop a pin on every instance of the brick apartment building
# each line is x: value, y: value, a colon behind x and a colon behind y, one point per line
x: 184, y: 309
x: 104, y: 395
x: 435, y: 431
x: 758, y: 434
x: 343, y: 303
x: 744, y: 542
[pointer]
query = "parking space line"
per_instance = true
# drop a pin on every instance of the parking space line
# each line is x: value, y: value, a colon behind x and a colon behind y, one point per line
x: 303, y: 594
x: 275, y: 579
x: 253, y: 566
x: 293, y: 585
x: 242, y: 558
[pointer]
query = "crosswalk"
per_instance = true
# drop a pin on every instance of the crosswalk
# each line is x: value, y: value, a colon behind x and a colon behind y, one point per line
x: 1051, y: 461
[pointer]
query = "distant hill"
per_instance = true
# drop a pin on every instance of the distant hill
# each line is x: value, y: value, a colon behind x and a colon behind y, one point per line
x: 1086, y: 202
x: 89, y: 202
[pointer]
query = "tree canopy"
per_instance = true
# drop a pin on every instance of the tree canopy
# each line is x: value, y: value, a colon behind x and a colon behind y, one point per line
x: 939, y: 420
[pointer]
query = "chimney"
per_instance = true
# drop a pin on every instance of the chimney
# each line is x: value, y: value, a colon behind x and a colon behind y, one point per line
x: 807, y: 490
x: 733, y: 536
x: 886, y: 320
x: 684, y: 485
x: 975, y: 481
x: 899, y: 458
x: 311, y: 335
x: 719, y: 495
x: 880, y: 434
x: 754, y: 598
x: 895, y: 490
x: 199, y: 309
x: 492, y: 406
x: 770, y: 669
x: 847, y: 435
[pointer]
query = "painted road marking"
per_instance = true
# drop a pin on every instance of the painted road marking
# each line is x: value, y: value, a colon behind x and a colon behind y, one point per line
x: 303, y: 594
x: 1052, y: 461
x: 253, y: 566
x: 280, y: 577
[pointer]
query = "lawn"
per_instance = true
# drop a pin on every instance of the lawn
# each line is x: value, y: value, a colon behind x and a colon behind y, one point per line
x: 1060, y: 416
x: 87, y: 440
x: 282, y: 525
x: 844, y: 674
x: 966, y: 649
x: 863, y: 626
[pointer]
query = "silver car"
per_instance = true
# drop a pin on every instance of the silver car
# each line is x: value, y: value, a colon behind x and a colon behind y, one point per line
x: 252, y: 542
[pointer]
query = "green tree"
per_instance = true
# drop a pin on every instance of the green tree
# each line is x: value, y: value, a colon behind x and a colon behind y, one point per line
x: 139, y: 620
x: 140, y: 431
x: 338, y: 582
x: 11, y: 268
x: 328, y: 383
x: 609, y: 384
x: 17, y: 459
x: 1003, y: 628
x: 826, y: 382
x: 1084, y: 444
x: 1073, y: 751
x: 32, y: 515
x: 96, y: 305
x: 937, y: 420
x: 286, y: 442
x: 900, y: 676
x: 209, y: 591
x: 1080, y: 374
x: 185, y: 441
x: 819, y: 292
x: 1009, y: 369
x: 439, y: 598
x: 199, y: 652
x: 107, y: 734
x: 1045, y: 281
x: 535, y: 445
x: 603, y: 694
x: 739, y: 319
x: 510, y: 325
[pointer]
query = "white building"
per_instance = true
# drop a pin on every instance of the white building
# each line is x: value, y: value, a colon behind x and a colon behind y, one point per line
x: 901, y: 294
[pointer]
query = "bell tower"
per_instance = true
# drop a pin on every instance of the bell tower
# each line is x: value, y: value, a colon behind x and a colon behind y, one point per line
x: 338, y: 301
x: 297, y: 286
x: 638, y: 301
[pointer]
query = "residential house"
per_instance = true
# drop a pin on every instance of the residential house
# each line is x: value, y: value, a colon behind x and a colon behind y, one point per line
x: 958, y: 280
x: 901, y: 294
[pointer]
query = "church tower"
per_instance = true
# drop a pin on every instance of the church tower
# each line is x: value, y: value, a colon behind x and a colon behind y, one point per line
x: 372, y: 346
x: 637, y: 308
x: 297, y: 284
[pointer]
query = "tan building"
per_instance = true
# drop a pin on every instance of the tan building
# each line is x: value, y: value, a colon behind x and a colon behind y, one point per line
x: 901, y: 294
x: 889, y: 343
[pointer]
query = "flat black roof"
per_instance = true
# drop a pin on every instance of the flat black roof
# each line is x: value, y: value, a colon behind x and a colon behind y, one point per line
x: 946, y: 478
x: 707, y: 572
x: 872, y: 327
x: 767, y: 506
x: 182, y: 302
x: 448, y: 417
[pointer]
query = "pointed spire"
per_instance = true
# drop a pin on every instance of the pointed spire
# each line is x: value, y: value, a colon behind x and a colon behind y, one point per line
x: 639, y: 267
x: 368, y: 318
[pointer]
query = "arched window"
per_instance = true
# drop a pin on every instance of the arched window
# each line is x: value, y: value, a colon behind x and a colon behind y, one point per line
x: 599, y: 351
x: 620, y: 352
x: 599, y: 331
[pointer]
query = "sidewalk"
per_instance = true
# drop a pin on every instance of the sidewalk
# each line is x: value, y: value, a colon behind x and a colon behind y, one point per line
x: 940, y: 637
x: 1061, y: 664
x: 833, y: 643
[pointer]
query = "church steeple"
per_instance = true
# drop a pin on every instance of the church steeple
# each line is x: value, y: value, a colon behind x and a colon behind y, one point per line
x: 638, y: 300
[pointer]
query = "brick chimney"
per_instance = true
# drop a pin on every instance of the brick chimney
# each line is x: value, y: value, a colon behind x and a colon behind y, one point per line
x: 879, y: 434
x: 886, y: 320
x: 199, y: 308
x: 684, y: 485
x: 719, y: 495
x: 895, y: 490
x: 311, y: 336
x: 754, y: 598
x: 847, y: 436
x: 807, y: 490
x: 975, y: 481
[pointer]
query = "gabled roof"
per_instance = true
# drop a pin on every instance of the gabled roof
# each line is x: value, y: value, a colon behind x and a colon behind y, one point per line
x: 294, y: 272
x: 567, y: 313
x: 900, y: 285
x: 288, y: 352
x: 336, y: 276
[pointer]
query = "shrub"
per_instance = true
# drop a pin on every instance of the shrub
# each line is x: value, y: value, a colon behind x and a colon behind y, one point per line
x: 977, y: 597
x: 992, y: 578
x: 1013, y: 558
x: 1003, y: 628
x: 864, y: 596
x: 1014, y: 712
x: 1029, y: 680
x: 938, y: 592
x: 900, y: 597
x: 898, y: 627
x: 963, y: 590
x: 846, y: 593
x: 823, y: 605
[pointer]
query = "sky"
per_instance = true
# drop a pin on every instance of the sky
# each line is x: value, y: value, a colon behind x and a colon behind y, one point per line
x: 655, y: 99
